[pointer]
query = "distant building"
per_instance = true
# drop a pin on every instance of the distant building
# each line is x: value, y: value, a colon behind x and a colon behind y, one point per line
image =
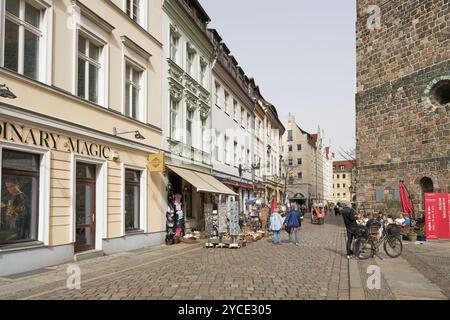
x: 308, y: 165
x: 343, y: 189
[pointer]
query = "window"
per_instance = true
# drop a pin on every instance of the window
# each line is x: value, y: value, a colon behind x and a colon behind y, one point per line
x: 242, y: 117
x: 174, y: 46
x: 300, y: 175
x: 227, y: 150
x: 291, y: 162
x: 249, y: 159
x: 189, y: 119
x: 344, y: 176
x: 23, y: 38
x: 290, y: 148
x: 227, y: 97
x: 299, y: 147
x: 134, y: 10
x: 344, y: 194
x: 299, y: 161
x: 338, y: 176
x: 88, y: 69
x: 174, y: 118
x: 343, y: 186
x: 204, y: 139
x: 342, y: 168
x: 338, y: 185
x: 190, y: 60
x: 217, y: 94
x: 249, y: 124
x: 235, y: 110
x: 132, y: 200
x: 133, y: 90
x: 19, y: 215
x: 203, y: 67
x: 290, y: 137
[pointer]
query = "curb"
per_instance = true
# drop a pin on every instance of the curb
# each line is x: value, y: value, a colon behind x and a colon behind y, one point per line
x: 356, y: 286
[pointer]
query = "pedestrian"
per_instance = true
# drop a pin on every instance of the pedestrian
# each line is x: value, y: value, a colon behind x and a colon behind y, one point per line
x: 351, y: 225
x: 337, y: 210
x: 276, y: 223
x: 293, y: 222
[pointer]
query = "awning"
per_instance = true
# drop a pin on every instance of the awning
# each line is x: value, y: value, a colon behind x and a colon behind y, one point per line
x: 202, y: 181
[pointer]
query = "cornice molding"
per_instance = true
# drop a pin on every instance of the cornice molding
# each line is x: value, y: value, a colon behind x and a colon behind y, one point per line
x: 135, y: 47
x: 91, y: 15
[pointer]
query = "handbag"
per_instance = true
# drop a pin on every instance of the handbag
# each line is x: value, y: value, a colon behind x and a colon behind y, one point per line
x: 288, y: 230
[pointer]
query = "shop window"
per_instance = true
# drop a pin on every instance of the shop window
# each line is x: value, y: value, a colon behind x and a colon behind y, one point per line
x: 19, y: 214
x: 24, y: 33
x: 132, y: 200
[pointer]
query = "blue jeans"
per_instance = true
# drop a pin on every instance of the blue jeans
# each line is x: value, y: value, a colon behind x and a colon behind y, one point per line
x: 276, y: 236
x: 350, y: 238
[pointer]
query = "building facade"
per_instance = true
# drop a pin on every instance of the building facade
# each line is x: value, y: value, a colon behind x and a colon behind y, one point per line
x: 187, y: 101
x: 74, y: 143
x: 403, y: 96
x: 232, y: 123
x: 343, y: 188
x: 307, y: 166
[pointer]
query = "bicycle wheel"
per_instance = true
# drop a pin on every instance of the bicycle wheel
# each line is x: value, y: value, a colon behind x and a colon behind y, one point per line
x: 393, y: 247
x: 365, y: 249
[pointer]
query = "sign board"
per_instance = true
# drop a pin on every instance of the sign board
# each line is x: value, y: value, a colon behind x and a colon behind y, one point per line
x: 156, y: 162
x: 437, y: 216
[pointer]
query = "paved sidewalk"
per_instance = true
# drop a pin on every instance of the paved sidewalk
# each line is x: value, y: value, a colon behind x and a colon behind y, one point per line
x: 411, y: 276
x: 315, y: 270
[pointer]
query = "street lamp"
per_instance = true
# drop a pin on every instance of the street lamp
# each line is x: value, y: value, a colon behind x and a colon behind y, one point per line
x: 137, y: 134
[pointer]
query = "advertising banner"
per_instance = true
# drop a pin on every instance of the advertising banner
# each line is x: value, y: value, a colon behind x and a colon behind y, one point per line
x: 431, y: 216
x: 437, y: 216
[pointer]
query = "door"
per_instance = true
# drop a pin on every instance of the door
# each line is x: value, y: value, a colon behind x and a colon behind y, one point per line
x: 85, y: 207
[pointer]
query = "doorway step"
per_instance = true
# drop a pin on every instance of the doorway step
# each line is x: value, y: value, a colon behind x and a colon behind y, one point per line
x: 88, y: 255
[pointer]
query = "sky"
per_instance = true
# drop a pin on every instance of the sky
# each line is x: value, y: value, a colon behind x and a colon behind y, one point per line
x: 301, y: 54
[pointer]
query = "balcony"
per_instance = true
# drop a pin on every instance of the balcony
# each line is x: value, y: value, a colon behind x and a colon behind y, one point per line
x: 189, y: 152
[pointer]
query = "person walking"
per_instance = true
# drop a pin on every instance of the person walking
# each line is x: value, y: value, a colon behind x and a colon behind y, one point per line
x: 293, y: 222
x: 351, y: 225
x: 276, y: 223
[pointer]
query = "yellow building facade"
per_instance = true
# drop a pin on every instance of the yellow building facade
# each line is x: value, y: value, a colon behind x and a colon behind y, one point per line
x: 75, y: 142
x: 343, y: 188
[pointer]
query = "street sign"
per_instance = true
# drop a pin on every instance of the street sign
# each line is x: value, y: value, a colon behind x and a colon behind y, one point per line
x: 156, y: 162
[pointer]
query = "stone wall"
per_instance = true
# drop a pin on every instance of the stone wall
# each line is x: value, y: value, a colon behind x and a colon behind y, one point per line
x: 400, y: 134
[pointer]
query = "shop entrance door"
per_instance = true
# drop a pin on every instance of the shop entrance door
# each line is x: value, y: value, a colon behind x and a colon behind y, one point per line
x: 85, y: 207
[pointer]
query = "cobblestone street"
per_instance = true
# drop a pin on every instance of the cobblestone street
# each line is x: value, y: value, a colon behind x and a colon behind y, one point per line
x: 317, y: 269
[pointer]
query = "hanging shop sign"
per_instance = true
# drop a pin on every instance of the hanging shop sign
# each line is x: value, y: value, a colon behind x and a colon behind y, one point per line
x: 437, y: 216
x: 29, y: 136
x: 156, y: 162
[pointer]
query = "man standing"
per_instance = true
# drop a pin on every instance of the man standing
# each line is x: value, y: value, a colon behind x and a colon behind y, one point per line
x: 293, y: 222
x: 350, y: 224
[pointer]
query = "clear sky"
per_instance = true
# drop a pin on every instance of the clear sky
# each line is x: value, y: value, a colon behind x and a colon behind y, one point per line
x: 301, y: 54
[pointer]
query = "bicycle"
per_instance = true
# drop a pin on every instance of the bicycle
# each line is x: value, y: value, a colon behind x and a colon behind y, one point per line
x: 390, y: 239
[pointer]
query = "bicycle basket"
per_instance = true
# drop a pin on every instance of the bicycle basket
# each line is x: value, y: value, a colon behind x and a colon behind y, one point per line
x: 394, y: 230
x: 362, y: 232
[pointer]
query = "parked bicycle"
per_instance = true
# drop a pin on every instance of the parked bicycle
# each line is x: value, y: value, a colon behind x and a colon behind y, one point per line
x: 391, y: 240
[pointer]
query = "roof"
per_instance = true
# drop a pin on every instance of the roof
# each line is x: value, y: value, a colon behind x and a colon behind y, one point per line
x: 348, y: 164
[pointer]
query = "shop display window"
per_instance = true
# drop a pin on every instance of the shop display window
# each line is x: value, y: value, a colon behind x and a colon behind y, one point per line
x: 19, y: 212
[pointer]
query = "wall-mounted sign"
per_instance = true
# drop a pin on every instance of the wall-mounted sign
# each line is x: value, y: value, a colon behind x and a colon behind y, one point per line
x: 156, y: 162
x: 29, y: 136
x: 437, y: 219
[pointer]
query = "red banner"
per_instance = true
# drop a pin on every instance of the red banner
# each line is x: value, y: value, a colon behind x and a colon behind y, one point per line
x: 437, y: 216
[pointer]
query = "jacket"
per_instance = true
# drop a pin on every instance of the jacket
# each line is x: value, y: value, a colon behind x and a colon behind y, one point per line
x: 349, y: 219
x: 276, y: 221
x: 293, y: 219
